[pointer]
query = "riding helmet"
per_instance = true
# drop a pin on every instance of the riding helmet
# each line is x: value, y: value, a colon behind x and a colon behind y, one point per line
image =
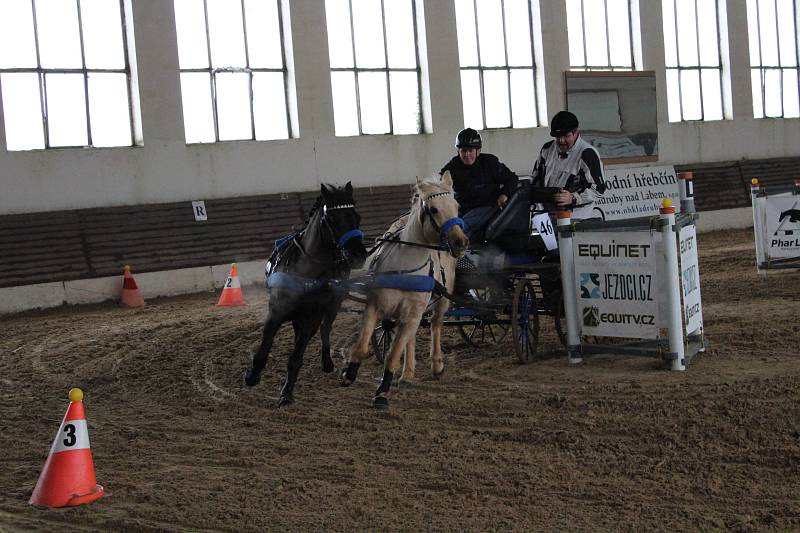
x: 563, y: 122
x: 468, y: 138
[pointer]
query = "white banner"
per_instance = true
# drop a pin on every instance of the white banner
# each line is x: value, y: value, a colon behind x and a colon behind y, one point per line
x: 616, y: 284
x: 637, y: 192
x: 782, y: 214
x: 690, y: 280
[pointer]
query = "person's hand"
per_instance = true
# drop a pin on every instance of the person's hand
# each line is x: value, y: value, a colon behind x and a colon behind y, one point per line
x: 502, y: 200
x: 563, y: 198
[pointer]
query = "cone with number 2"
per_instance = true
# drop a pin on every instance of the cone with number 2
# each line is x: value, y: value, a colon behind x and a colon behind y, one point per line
x: 67, y: 478
x: 232, y: 291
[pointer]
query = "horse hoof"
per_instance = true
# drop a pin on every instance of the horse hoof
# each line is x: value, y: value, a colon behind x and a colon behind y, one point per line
x: 251, y: 378
x: 344, y: 381
x: 327, y: 365
x: 438, y: 375
x: 380, y: 402
x: 285, y: 400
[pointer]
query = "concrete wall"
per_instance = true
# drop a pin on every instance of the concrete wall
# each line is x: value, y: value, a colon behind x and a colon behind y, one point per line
x: 165, y: 169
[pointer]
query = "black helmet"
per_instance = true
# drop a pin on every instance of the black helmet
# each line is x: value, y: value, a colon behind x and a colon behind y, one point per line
x: 563, y: 122
x: 468, y: 138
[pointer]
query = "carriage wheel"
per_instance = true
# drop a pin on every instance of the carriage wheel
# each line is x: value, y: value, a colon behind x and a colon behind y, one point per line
x: 525, y: 321
x: 484, y: 332
x: 382, y: 338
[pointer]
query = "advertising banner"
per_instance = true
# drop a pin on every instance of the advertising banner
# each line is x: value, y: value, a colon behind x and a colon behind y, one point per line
x: 615, y: 276
x: 637, y: 192
x: 690, y: 279
x: 782, y: 217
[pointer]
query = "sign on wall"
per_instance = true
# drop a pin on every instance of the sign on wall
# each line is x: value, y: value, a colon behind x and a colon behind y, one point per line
x: 200, y: 213
x: 616, y: 284
x: 637, y: 192
x: 782, y: 214
x: 690, y: 279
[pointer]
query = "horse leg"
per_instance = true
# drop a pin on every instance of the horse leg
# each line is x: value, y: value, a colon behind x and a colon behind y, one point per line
x: 304, y: 329
x: 360, y: 350
x: 437, y: 323
x: 405, y: 335
x: 253, y: 375
x: 325, y: 336
x: 409, y: 361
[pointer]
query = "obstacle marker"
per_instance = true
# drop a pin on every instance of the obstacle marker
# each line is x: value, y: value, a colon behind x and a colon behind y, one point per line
x: 130, y: 297
x: 67, y: 478
x: 232, y: 291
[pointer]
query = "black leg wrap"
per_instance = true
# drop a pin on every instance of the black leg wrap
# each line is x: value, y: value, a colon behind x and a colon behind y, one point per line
x: 251, y: 377
x: 348, y: 374
x: 327, y: 362
x: 381, y: 399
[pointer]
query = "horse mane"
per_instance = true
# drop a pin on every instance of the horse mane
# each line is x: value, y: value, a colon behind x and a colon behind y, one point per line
x: 314, y: 208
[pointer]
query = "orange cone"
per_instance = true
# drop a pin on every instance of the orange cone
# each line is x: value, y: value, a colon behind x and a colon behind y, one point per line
x: 131, y: 297
x: 232, y: 291
x: 67, y: 478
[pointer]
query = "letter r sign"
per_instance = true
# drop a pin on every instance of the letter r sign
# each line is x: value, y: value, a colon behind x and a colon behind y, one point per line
x: 199, y: 209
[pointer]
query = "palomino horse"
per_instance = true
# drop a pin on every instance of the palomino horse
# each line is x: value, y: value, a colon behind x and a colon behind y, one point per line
x: 304, y: 273
x: 405, y: 276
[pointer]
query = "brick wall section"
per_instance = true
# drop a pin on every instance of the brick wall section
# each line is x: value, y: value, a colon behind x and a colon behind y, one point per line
x: 88, y: 243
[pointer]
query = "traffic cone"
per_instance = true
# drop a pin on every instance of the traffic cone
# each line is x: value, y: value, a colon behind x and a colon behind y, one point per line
x: 232, y: 291
x: 131, y: 297
x: 67, y: 478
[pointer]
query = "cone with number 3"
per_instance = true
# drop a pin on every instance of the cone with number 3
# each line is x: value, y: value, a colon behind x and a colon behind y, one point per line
x: 67, y: 478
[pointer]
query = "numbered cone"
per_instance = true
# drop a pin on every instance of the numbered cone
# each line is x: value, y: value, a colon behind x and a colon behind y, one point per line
x: 232, y: 291
x: 67, y: 478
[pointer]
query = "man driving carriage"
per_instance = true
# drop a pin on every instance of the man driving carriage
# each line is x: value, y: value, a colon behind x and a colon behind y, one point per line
x: 481, y: 182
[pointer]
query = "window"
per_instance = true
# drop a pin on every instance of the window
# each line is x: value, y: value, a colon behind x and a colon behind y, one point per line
x: 64, y: 74
x: 375, y: 74
x: 772, y: 27
x: 693, y: 31
x: 601, y: 34
x: 497, y: 45
x: 233, y: 69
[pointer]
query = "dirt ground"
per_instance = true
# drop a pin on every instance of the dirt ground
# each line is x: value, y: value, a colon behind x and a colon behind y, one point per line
x: 617, y: 443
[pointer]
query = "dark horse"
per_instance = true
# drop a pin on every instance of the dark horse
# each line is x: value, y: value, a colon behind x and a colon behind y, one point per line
x: 303, y: 275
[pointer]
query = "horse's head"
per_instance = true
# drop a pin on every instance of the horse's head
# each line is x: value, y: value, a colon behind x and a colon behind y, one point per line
x: 340, y: 216
x: 438, y: 212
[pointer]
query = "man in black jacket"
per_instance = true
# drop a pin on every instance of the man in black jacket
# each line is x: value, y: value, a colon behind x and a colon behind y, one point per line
x: 481, y: 182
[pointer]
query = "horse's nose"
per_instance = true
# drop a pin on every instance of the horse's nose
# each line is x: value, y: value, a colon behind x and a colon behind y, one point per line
x: 458, y: 246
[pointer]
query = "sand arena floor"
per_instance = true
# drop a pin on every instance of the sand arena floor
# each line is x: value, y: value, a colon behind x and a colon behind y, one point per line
x: 617, y: 443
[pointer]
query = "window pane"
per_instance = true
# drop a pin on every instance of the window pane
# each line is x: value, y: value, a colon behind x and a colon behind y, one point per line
x: 471, y: 99
x: 596, y: 47
x: 709, y: 34
x: 405, y: 102
x: 17, y: 45
x: 752, y: 33
x: 22, y: 110
x: 690, y: 95
x: 755, y: 82
x: 190, y: 23
x: 345, y: 109
x: 198, y: 116
x: 368, y: 33
x: 467, y: 45
x: 263, y: 34
x: 490, y: 33
x: 786, y: 33
x: 269, y: 106
x: 340, y: 45
x: 400, y: 34
x: 66, y: 110
x: 374, y: 102
x: 673, y: 96
x: 226, y: 33
x: 59, y: 40
x: 670, y: 49
x: 109, y: 111
x: 102, y: 34
x: 687, y: 34
x: 518, y: 33
x: 497, y: 106
x: 772, y: 93
x: 233, y: 106
x: 712, y: 94
x: 769, y: 39
x: 523, y: 100
x: 619, y: 37
x: 575, y: 32
x: 791, y: 99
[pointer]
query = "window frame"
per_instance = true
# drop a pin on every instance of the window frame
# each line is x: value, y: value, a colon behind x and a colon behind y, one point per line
x: 608, y: 66
x: 42, y: 73
x: 212, y: 72
x: 539, y: 111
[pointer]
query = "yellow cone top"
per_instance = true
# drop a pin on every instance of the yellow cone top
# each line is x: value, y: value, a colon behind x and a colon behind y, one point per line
x: 126, y: 268
x: 75, y: 395
x: 667, y: 202
x: 754, y: 182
